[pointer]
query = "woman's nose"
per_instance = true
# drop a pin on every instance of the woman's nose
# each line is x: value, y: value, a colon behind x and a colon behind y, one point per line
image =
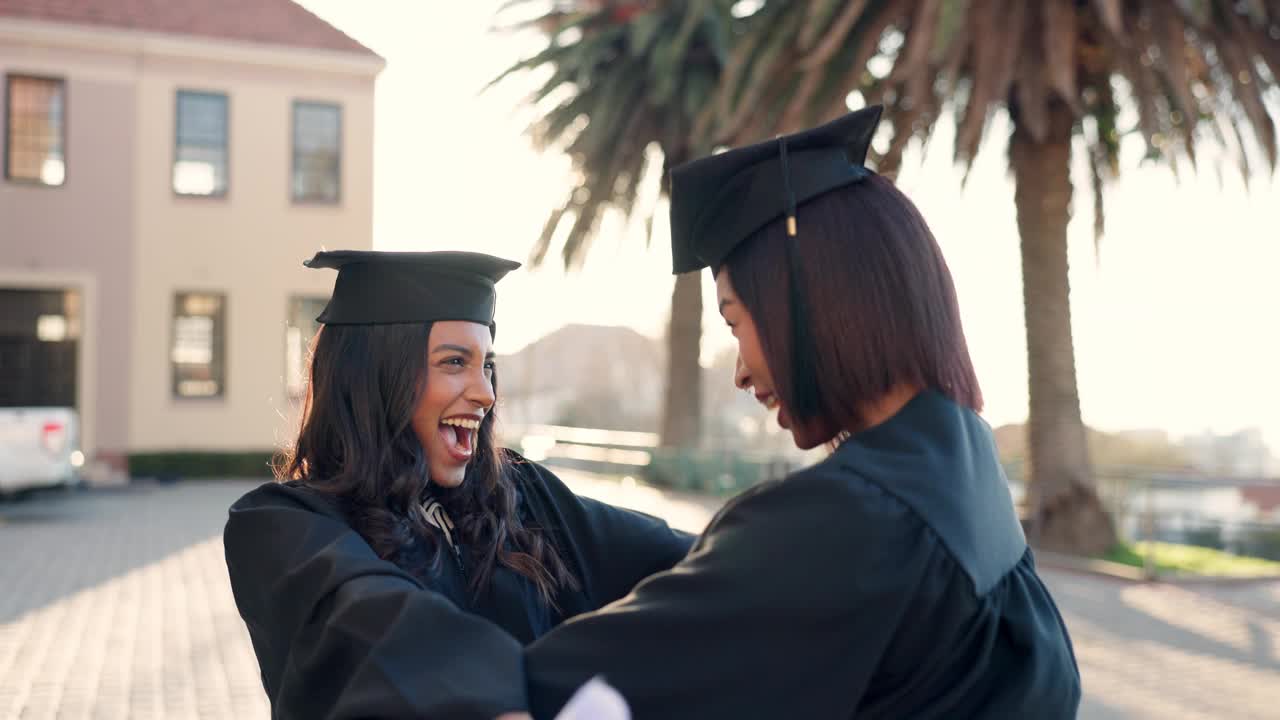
x: 481, y: 393
x: 741, y: 378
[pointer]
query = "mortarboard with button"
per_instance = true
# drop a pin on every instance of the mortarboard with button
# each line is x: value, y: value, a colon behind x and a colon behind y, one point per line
x: 378, y: 288
x: 720, y: 200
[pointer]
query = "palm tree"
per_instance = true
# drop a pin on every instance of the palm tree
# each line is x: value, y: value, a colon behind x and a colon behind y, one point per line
x: 1063, y: 70
x: 628, y: 77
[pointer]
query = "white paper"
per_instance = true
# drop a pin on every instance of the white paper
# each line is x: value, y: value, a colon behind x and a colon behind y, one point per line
x: 596, y: 700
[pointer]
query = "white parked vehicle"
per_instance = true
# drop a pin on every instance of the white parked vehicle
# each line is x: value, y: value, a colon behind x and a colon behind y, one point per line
x: 39, y: 448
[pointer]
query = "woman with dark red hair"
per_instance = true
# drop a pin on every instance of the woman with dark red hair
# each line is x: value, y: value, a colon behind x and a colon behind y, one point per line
x: 892, y: 579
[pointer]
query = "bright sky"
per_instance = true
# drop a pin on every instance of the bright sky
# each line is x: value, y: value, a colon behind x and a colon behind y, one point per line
x: 1175, y: 324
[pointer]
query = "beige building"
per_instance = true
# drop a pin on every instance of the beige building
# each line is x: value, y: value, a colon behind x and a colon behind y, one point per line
x: 167, y: 167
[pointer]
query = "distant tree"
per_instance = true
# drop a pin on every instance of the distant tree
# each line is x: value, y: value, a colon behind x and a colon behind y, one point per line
x: 626, y: 78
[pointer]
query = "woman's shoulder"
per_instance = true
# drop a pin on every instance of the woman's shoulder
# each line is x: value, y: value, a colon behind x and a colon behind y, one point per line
x: 833, y: 486
x: 541, y: 491
x: 955, y: 504
x: 529, y: 474
x: 825, y: 511
x: 287, y: 496
x: 513, y: 459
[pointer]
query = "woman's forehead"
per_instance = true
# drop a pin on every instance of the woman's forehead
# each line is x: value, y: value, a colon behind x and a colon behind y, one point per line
x: 471, y: 335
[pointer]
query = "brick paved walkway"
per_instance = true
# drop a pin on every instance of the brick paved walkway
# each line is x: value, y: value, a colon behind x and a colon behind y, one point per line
x: 115, y: 604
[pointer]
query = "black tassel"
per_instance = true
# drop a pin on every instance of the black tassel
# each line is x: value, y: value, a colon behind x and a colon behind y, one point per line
x: 786, y: 184
x: 804, y: 396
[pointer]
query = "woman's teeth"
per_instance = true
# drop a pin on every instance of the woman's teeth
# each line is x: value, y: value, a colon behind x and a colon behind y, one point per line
x: 771, y: 402
x: 469, y: 424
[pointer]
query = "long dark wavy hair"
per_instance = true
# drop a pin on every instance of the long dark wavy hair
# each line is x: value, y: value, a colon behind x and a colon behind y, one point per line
x: 357, y: 444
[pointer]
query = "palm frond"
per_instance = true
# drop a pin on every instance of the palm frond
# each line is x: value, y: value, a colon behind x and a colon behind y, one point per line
x: 1236, y: 49
x: 1031, y: 81
x: 766, y: 68
x: 1169, y: 37
x: 634, y: 74
x: 993, y: 69
x: 1196, y: 70
x: 830, y: 43
x: 1060, y: 34
x: 817, y: 17
x: 848, y: 71
x: 540, y: 247
x: 1097, y: 184
x: 1112, y: 14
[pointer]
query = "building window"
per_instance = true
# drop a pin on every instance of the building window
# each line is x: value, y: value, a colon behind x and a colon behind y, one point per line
x: 35, y: 129
x: 39, y: 347
x: 199, y: 345
x: 317, y: 152
x: 300, y: 328
x: 200, y: 154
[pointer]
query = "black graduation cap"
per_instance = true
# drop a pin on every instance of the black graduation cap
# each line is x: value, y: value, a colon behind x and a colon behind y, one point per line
x: 378, y: 288
x: 720, y: 200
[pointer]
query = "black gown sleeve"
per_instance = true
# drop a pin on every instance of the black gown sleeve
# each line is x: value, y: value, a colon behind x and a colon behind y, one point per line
x: 340, y: 633
x: 782, y: 609
x: 612, y: 548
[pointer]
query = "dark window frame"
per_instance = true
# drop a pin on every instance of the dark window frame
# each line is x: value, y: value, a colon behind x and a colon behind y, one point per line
x: 62, y: 130
x: 293, y: 152
x: 218, y: 361
x: 226, y: 143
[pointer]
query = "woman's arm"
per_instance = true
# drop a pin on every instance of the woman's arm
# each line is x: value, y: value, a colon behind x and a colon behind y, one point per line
x: 340, y: 633
x: 613, y: 548
x: 782, y: 609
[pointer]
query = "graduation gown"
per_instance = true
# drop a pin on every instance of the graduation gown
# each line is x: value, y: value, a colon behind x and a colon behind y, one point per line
x: 341, y: 633
x: 892, y: 580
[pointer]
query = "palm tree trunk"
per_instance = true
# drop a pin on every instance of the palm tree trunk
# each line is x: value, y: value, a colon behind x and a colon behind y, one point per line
x: 1066, y: 513
x: 682, y: 409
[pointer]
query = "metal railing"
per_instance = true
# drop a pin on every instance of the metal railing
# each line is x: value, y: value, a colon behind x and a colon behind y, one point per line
x: 716, y: 471
x: 1146, y: 504
x: 1238, y: 515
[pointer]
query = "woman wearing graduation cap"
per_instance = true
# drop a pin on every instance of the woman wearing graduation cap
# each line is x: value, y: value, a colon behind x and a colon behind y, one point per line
x: 403, y: 560
x: 892, y: 579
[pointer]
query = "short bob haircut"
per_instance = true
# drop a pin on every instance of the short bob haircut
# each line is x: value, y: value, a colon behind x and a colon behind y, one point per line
x: 880, y: 304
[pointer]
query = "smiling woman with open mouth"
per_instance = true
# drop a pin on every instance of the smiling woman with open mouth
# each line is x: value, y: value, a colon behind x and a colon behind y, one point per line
x: 402, y: 559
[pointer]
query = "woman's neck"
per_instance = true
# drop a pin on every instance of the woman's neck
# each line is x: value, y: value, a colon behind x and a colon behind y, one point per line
x: 886, y: 406
x: 879, y: 411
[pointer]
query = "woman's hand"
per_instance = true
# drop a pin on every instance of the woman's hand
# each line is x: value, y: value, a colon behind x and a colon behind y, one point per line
x: 514, y: 716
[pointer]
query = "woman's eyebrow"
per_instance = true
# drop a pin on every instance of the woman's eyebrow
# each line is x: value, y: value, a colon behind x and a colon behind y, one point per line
x: 460, y: 349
